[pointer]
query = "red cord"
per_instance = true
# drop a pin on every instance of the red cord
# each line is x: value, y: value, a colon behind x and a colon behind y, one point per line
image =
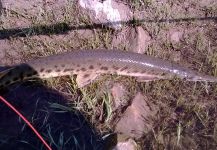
x: 26, y: 121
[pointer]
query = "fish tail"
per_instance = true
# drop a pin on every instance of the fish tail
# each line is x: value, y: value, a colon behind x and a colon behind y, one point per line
x: 4, y: 77
x: 16, y: 74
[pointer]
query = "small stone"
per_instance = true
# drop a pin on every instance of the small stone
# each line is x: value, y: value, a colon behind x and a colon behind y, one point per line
x: 126, y: 145
x: 175, y: 35
x: 118, y: 92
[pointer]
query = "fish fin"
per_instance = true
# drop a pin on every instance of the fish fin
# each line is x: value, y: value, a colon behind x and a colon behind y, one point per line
x: 148, y: 78
x: 85, y: 79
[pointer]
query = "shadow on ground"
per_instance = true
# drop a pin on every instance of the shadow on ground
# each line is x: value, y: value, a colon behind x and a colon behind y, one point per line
x: 61, y: 126
x: 63, y: 28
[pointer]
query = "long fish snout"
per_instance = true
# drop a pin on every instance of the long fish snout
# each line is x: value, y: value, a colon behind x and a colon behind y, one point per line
x: 200, y: 77
x: 191, y: 75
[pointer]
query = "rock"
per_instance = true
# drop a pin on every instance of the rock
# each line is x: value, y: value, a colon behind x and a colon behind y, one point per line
x: 137, y: 118
x: 135, y: 39
x: 141, y: 41
x: 107, y: 12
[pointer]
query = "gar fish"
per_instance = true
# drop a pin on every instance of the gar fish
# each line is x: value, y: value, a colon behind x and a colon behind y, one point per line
x: 88, y: 64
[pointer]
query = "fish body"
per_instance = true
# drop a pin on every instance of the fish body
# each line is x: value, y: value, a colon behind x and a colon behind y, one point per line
x: 88, y: 64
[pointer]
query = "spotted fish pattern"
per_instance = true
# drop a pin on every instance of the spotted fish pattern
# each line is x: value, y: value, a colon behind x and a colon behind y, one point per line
x: 89, y: 64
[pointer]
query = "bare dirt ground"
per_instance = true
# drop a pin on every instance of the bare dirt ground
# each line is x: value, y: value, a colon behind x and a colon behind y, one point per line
x: 178, y: 114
